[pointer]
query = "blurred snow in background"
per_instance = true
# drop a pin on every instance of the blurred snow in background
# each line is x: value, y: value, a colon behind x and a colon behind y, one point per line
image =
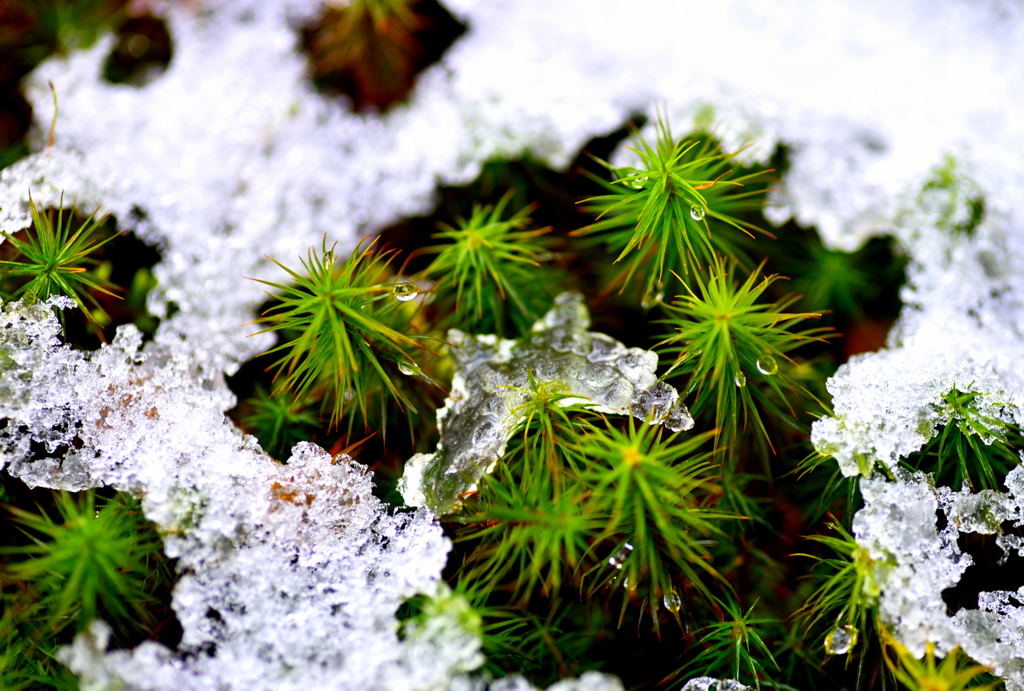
x: 230, y: 155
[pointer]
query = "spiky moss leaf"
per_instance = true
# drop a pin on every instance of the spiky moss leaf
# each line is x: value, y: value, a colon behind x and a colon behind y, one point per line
x: 735, y: 647
x: 28, y: 653
x: 56, y: 260
x: 675, y: 210
x: 732, y: 343
x: 545, y: 645
x: 958, y: 200
x: 489, y: 271
x: 538, y: 450
x: 527, y: 518
x: 976, y: 447
x: 847, y: 589
x: 280, y: 420
x: 344, y: 333
x: 90, y: 558
x: 533, y: 538
x: 655, y: 491
x: 956, y: 671
x: 852, y: 285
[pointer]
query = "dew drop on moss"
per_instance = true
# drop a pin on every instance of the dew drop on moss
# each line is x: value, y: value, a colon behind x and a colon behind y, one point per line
x: 767, y: 365
x: 620, y: 555
x: 840, y: 640
x: 672, y: 601
x: 405, y: 291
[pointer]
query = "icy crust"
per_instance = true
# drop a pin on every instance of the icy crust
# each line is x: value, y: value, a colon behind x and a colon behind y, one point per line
x: 961, y: 328
x: 588, y: 681
x: 888, y: 404
x: 291, y: 574
x: 915, y: 561
x: 712, y: 684
x: 491, y: 382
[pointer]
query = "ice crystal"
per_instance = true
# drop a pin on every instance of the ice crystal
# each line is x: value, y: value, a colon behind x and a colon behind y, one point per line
x: 960, y: 330
x: 915, y: 561
x: 291, y: 574
x: 712, y: 684
x: 588, y: 681
x: 492, y: 381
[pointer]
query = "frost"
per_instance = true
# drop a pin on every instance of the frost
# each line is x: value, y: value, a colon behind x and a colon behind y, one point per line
x: 960, y: 329
x: 588, y: 681
x: 290, y: 574
x: 492, y: 380
x: 915, y: 561
x: 712, y: 684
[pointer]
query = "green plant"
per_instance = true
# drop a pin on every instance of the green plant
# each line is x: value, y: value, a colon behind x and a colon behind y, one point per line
x: 91, y: 558
x: 734, y: 647
x: 550, y: 420
x: 723, y: 335
x: 28, y: 651
x: 58, y: 261
x: 280, y: 420
x: 958, y: 199
x: 823, y: 485
x: 545, y: 648
x: 974, y: 447
x: 573, y: 501
x: 529, y: 532
x: 514, y: 639
x: 846, y: 596
x: 529, y: 519
x: 846, y: 283
x: 656, y: 217
x: 488, y: 270
x: 954, y: 673
x: 344, y: 332
x: 655, y: 490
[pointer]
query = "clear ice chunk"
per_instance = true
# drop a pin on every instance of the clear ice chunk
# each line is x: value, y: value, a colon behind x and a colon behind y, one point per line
x: 490, y: 381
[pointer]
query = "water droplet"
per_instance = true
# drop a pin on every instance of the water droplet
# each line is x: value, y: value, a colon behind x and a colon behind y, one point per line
x: 672, y: 601
x: 632, y: 178
x: 841, y: 640
x: 620, y: 555
x: 767, y: 365
x: 628, y: 584
x: 696, y: 213
x: 740, y: 379
x: 405, y: 291
x: 648, y: 301
x: 406, y: 367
